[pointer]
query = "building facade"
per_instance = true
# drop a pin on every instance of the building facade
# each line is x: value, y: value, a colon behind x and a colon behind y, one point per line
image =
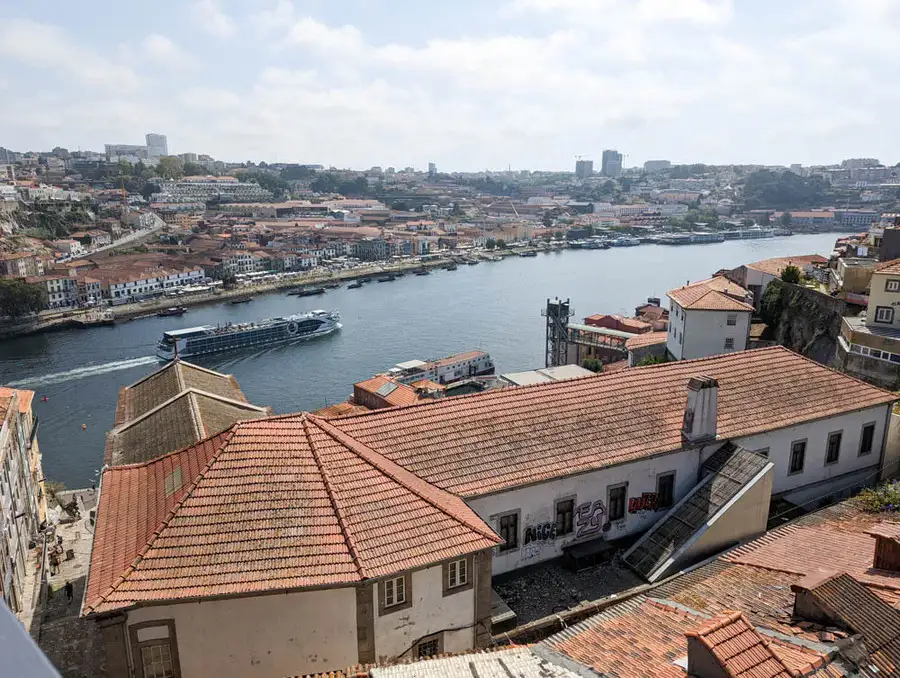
x: 708, y: 318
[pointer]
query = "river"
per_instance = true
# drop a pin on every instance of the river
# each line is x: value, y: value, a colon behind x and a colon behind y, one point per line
x: 492, y: 306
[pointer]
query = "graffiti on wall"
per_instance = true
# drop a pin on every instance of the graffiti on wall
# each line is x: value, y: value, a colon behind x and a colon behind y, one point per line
x: 649, y: 501
x: 542, y: 532
x: 590, y: 519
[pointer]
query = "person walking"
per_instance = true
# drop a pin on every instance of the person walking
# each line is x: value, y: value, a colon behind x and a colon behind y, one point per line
x: 70, y: 592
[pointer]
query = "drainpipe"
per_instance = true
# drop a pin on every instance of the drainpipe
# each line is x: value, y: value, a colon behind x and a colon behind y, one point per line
x: 884, y: 438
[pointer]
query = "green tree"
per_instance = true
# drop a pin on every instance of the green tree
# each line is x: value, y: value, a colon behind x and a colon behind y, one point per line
x: 229, y: 280
x: 18, y: 298
x: 652, y: 360
x: 490, y: 243
x: 547, y: 220
x: 747, y: 223
x: 786, y: 219
x: 501, y: 244
x: 791, y: 274
x: 766, y: 219
x: 559, y: 235
x: 772, y: 304
x: 193, y: 169
x: 593, y: 364
x: 170, y: 167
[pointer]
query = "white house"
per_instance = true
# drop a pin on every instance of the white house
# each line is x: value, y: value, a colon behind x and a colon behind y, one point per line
x: 707, y: 318
x: 368, y: 561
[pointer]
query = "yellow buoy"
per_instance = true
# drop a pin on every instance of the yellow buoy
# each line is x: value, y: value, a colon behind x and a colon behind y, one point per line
x: 84, y: 427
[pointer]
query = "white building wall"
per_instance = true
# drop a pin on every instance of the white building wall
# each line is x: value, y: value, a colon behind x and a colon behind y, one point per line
x: 675, y: 340
x: 269, y: 635
x: 705, y: 333
x: 537, y: 505
x: 431, y: 611
x: 816, y: 435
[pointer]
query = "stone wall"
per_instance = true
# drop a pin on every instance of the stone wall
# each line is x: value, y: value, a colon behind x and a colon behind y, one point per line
x: 804, y: 320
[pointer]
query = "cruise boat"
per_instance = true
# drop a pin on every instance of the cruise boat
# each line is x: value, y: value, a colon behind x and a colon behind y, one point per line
x: 205, y: 339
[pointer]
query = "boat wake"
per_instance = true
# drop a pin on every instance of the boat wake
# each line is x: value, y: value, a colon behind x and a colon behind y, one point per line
x: 82, y: 372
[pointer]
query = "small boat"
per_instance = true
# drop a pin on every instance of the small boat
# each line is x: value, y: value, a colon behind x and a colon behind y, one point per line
x: 423, y: 271
x: 387, y: 278
x: 171, y: 311
x: 450, y: 267
x: 354, y: 286
x: 332, y: 285
x: 241, y: 300
x: 307, y: 291
x: 529, y: 253
x: 364, y: 280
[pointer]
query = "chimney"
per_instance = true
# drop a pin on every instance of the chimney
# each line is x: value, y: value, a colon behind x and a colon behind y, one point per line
x: 699, y: 424
x: 805, y: 605
x: 887, y: 546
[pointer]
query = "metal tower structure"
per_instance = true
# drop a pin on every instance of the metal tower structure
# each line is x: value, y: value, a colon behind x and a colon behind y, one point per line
x: 557, y: 314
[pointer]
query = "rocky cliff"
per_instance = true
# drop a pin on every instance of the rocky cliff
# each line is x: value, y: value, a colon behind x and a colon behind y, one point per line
x: 804, y: 320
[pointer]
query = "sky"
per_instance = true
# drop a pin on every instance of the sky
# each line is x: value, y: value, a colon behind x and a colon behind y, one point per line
x: 466, y: 84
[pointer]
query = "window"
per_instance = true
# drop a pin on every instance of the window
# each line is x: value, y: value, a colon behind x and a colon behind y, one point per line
x: 884, y: 314
x: 729, y: 343
x: 394, y: 591
x: 457, y: 573
x: 565, y: 509
x: 156, y: 660
x: 732, y: 319
x: 428, y: 647
x: 867, y: 438
x: 892, y: 286
x: 509, y: 531
x: 798, y: 457
x: 617, y: 500
x: 833, y: 451
x: 665, y: 490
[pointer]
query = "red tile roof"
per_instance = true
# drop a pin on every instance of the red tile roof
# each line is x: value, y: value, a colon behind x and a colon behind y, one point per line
x: 886, y: 530
x: 400, y: 395
x: 272, y: 504
x: 25, y: 397
x: 888, y: 267
x: 699, y: 297
x: 776, y: 265
x: 738, y: 648
x: 482, y: 443
x: 647, y: 339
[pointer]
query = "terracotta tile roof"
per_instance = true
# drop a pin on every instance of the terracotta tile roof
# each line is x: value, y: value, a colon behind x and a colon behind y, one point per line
x: 25, y: 397
x: 802, y: 549
x: 392, y: 392
x: 647, y: 339
x: 272, y: 504
x: 891, y: 267
x: 776, y: 265
x: 738, y: 648
x: 886, y: 530
x: 482, y: 443
x: 459, y: 357
x: 183, y: 420
x: 722, y: 284
x: 698, y: 297
x: 340, y: 410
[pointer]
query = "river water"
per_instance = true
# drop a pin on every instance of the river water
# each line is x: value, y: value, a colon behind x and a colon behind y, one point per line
x: 492, y: 306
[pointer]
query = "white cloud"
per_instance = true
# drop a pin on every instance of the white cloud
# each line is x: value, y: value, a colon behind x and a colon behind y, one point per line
x: 279, y: 16
x: 343, y: 41
x: 49, y: 47
x: 161, y: 50
x: 212, y: 19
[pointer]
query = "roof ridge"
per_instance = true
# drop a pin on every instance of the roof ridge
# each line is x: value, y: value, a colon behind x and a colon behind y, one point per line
x: 342, y: 523
x: 402, y: 476
x: 227, y: 436
x: 197, y: 419
x: 152, y: 374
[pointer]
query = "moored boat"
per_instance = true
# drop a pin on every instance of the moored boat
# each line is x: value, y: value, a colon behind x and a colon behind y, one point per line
x: 171, y: 311
x: 241, y: 300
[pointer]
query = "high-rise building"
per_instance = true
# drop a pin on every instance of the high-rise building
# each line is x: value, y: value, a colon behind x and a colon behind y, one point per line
x: 612, y: 164
x: 584, y: 168
x: 657, y: 165
x: 157, y: 145
x: 189, y: 157
x: 130, y: 152
x: 432, y: 169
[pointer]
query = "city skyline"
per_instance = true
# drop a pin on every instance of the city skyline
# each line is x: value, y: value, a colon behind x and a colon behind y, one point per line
x: 522, y: 84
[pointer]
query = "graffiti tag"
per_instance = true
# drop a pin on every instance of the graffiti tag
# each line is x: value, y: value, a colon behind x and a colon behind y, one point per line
x: 649, y: 501
x: 589, y: 518
x: 542, y: 532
